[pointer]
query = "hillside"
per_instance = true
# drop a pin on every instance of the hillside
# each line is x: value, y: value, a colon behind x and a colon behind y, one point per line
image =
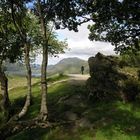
x: 15, y: 68
x: 67, y: 65
x: 75, y: 117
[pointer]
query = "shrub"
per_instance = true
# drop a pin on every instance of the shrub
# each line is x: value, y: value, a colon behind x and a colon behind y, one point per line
x: 61, y: 74
x: 131, y: 89
x: 138, y: 73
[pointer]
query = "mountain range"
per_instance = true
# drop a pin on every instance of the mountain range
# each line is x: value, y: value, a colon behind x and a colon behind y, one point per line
x: 65, y: 66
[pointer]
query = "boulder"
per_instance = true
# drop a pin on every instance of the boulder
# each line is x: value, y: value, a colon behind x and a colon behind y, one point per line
x: 71, y: 116
x: 104, y: 76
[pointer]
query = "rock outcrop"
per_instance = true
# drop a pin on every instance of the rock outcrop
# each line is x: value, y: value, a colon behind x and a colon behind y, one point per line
x: 105, y: 77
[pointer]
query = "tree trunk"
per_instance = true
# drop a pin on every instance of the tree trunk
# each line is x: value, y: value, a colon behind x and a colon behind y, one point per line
x: 43, y: 109
x: 29, y: 76
x: 4, y: 98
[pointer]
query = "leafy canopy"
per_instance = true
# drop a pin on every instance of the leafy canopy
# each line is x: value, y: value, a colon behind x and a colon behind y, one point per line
x: 118, y: 22
x: 10, y: 42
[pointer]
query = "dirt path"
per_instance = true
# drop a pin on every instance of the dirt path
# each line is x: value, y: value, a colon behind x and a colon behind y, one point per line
x: 78, y: 76
x: 73, y: 79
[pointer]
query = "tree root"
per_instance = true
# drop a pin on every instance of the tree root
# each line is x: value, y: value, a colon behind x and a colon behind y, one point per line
x: 13, y: 127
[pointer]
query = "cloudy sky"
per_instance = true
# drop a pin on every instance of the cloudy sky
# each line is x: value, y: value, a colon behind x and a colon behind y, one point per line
x: 80, y: 46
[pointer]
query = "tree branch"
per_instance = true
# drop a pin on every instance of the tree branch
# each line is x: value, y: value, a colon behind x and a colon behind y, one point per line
x: 15, y: 23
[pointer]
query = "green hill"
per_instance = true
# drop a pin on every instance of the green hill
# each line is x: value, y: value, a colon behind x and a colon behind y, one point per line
x: 67, y: 66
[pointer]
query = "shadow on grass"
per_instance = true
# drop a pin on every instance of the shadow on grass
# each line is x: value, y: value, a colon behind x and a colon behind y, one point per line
x: 113, y: 119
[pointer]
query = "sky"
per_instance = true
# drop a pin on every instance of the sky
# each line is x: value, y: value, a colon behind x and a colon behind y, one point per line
x: 79, y: 45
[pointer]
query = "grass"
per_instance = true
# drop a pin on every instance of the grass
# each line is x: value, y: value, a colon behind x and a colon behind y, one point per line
x: 130, y: 70
x: 112, y: 120
x: 19, y: 80
x: 17, y: 94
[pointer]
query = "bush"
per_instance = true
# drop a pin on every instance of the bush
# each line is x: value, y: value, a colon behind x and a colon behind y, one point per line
x: 131, y: 89
x: 123, y: 63
x: 138, y: 74
x: 61, y: 74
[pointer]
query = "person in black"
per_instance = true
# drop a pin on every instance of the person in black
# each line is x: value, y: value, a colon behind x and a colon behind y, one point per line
x: 82, y: 70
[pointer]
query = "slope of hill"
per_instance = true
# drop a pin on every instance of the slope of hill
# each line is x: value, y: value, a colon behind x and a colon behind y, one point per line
x: 66, y: 66
x: 15, y: 68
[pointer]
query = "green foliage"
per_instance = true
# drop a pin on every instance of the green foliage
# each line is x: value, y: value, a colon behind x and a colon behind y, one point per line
x: 3, y: 117
x: 55, y: 46
x: 131, y: 71
x: 36, y: 40
x: 131, y: 89
x: 66, y: 14
x: 130, y: 59
x: 116, y: 22
x: 138, y: 74
x: 10, y: 42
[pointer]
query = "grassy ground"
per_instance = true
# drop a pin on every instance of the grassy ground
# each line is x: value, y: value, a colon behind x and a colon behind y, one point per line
x: 130, y: 70
x: 17, y: 94
x: 89, y: 121
x: 19, y: 80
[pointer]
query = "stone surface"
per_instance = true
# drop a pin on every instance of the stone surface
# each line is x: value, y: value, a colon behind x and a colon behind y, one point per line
x: 83, y: 122
x: 71, y: 116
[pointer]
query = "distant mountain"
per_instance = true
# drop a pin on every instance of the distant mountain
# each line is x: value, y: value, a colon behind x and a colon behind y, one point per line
x: 15, y: 68
x: 66, y: 66
x: 19, y: 68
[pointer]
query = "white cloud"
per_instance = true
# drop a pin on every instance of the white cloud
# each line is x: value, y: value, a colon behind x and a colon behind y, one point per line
x: 80, y: 46
x: 75, y: 36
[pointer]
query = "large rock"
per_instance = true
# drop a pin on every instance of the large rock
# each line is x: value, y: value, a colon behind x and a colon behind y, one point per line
x: 101, y: 62
x: 104, y: 76
x: 84, y: 123
x: 70, y: 116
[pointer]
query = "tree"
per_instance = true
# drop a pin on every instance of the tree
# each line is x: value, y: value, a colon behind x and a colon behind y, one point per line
x: 10, y: 48
x: 21, y: 22
x: 130, y: 59
x: 117, y: 22
x: 27, y: 24
x: 45, y: 36
x: 64, y: 14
